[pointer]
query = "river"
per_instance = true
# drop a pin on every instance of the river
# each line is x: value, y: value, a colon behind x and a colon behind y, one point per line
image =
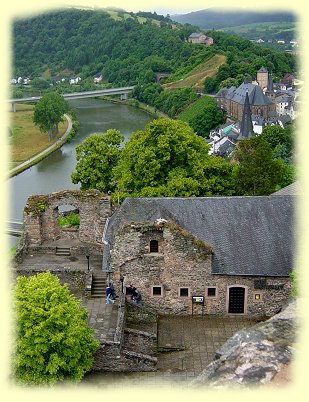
x: 54, y: 172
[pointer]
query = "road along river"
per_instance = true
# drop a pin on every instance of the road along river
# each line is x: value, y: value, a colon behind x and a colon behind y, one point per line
x: 54, y: 172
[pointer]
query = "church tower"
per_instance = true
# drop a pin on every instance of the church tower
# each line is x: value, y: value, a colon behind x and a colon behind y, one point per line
x: 262, y: 77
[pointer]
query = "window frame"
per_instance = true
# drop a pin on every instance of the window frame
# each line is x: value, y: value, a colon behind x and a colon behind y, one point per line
x: 156, y: 295
x: 216, y: 292
x: 184, y: 287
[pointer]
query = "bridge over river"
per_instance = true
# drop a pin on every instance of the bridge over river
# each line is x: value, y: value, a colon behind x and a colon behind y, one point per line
x: 123, y: 92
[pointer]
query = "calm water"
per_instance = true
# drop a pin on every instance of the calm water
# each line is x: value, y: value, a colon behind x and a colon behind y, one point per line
x: 54, y: 172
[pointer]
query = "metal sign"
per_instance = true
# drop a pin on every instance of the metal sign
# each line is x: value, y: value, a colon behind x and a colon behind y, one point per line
x: 198, y: 299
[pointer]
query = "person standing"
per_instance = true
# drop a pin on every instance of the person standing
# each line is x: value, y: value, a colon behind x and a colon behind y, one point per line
x: 108, y: 293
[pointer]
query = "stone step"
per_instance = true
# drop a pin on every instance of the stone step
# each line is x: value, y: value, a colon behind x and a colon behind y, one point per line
x: 98, y: 286
x: 63, y: 251
x: 102, y: 281
x: 97, y: 292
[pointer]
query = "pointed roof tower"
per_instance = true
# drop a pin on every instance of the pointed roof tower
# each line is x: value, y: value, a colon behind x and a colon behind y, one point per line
x: 246, y: 126
x: 270, y: 85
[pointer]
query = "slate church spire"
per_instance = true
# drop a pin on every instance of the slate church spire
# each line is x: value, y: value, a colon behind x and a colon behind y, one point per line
x: 246, y: 126
x: 270, y: 86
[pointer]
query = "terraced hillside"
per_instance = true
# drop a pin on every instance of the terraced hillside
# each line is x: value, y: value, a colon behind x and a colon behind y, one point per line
x: 196, y: 77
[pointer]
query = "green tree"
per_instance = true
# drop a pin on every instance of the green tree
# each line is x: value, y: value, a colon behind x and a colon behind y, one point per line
x: 206, y: 120
x: 257, y: 173
x: 96, y: 157
x: 48, y: 113
x: 210, y: 85
x: 281, y: 141
x: 169, y: 159
x: 40, y: 83
x: 53, y: 340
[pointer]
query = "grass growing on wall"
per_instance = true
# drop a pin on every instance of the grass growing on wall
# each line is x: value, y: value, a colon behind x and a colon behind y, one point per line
x: 71, y: 220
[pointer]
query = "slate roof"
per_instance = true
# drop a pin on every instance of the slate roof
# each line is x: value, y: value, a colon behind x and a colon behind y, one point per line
x: 255, y: 93
x: 262, y: 70
x: 292, y: 189
x: 226, y: 147
x: 251, y: 236
x: 196, y: 34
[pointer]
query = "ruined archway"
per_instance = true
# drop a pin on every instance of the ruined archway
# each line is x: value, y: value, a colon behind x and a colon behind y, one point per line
x: 42, y: 212
x: 68, y: 221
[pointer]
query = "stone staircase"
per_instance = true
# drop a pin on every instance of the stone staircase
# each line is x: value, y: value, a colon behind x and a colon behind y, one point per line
x: 98, y: 284
x: 65, y: 251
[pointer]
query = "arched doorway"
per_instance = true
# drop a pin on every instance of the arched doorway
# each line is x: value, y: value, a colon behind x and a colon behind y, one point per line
x: 236, y: 299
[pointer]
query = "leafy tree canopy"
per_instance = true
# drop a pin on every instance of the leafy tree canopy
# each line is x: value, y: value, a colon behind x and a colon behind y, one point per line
x: 53, y: 341
x: 96, y: 157
x: 281, y: 141
x: 169, y: 159
x: 203, y: 115
x: 48, y: 113
x: 257, y: 172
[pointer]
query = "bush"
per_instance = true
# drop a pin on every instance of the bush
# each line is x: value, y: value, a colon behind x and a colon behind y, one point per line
x: 53, y: 341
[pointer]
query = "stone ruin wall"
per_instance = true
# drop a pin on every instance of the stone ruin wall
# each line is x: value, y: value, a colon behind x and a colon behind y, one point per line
x: 41, y: 216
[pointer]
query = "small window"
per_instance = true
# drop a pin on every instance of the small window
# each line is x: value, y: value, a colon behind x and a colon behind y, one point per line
x: 157, y: 290
x: 211, y: 292
x: 184, y: 292
x: 257, y: 297
x: 154, y: 246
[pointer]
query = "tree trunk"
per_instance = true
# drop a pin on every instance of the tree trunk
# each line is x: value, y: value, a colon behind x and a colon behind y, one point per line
x: 51, y: 135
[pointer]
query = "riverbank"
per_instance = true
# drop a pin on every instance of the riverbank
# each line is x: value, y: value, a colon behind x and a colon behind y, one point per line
x: 71, y: 129
x: 137, y: 104
x: 37, y: 158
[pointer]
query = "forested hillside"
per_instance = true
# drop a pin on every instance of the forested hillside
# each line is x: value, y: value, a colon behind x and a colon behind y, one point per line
x: 130, y: 49
x: 125, y: 50
x: 89, y: 41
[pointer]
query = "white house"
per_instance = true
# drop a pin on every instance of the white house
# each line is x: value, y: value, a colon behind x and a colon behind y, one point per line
x: 74, y: 80
x: 97, y: 78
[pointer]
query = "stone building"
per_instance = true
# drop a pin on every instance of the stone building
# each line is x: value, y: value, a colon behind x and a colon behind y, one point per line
x: 262, y: 77
x: 232, y: 100
x: 234, y: 254
x: 199, y: 37
x: 208, y: 255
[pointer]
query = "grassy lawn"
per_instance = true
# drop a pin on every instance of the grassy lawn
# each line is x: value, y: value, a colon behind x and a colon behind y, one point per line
x: 26, y: 140
x: 195, y: 108
x: 196, y: 78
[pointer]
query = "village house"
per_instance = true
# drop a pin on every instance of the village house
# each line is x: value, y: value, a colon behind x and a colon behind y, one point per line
x: 74, y: 80
x: 223, y: 139
x: 58, y: 80
x: 200, y: 38
x: 97, y: 78
x: 20, y: 80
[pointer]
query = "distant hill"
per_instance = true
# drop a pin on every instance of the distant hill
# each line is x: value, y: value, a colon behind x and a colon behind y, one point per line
x: 218, y: 19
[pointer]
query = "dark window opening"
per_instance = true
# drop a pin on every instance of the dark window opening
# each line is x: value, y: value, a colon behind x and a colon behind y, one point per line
x: 157, y: 291
x: 154, y: 246
x: 184, y: 292
x: 211, y: 292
